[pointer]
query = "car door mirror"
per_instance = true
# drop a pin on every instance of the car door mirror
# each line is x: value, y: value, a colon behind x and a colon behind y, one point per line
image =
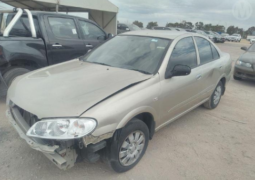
x: 179, y: 70
x: 244, y: 48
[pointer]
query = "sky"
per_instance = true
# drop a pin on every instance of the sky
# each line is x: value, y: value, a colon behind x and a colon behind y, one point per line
x: 239, y: 13
x: 224, y: 12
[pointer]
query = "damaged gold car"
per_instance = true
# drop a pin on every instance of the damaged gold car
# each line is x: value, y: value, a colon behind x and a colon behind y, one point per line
x: 109, y: 103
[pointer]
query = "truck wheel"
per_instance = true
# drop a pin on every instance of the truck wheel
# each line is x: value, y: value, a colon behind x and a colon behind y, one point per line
x: 130, y: 147
x: 215, y: 97
x: 10, y: 75
x: 237, y: 78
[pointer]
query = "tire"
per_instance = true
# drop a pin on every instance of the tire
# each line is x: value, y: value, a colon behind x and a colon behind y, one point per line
x: 237, y: 78
x: 212, y: 103
x: 119, y: 160
x: 10, y: 75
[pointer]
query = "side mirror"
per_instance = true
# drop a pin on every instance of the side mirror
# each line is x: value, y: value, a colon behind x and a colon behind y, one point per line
x: 179, y: 70
x: 110, y: 36
x: 244, y: 48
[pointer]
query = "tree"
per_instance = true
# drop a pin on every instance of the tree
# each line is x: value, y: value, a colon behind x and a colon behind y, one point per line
x: 199, y: 25
x: 139, y: 24
x: 188, y: 25
x: 151, y: 24
x: 233, y: 29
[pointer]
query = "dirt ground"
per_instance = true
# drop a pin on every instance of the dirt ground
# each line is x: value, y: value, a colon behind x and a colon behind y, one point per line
x: 205, y: 145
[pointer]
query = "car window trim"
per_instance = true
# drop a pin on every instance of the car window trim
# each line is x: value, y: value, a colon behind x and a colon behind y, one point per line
x: 176, y: 45
x: 82, y: 34
x: 216, y: 51
x: 211, y: 52
x: 79, y: 37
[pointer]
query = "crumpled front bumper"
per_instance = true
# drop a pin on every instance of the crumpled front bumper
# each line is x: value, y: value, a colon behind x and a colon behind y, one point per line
x: 64, y: 161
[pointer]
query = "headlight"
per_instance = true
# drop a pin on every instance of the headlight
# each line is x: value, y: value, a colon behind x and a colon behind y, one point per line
x: 241, y: 63
x: 62, y: 128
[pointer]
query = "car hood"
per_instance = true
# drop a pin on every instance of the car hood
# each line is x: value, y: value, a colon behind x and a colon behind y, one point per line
x: 248, y: 57
x: 69, y: 89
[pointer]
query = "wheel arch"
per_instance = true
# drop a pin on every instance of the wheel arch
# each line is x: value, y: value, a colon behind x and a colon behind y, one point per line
x: 146, y: 114
x: 223, y: 81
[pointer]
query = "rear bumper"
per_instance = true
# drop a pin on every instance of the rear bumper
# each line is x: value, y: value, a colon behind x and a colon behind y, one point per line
x: 64, y: 161
x: 3, y: 86
x: 244, y: 73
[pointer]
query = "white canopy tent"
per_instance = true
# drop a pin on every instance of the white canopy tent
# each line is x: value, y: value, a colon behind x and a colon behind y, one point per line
x: 102, y: 12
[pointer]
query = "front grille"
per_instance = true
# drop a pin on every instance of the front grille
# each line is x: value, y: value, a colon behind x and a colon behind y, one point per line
x: 30, y: 118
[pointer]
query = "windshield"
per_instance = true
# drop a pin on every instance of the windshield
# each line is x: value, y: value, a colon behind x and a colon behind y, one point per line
x: 137, y: 53
x: 252, y: 48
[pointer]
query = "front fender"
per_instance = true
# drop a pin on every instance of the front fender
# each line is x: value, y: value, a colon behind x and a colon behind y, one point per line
x: 137, y: 111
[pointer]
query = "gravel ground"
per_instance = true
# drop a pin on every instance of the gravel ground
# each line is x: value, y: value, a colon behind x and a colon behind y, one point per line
x: 217, y: 144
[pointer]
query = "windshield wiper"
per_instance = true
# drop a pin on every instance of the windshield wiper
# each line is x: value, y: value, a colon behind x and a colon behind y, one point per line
x: 141, y: 71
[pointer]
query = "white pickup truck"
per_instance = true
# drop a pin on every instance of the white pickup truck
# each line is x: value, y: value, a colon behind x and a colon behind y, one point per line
x: 234, y: 37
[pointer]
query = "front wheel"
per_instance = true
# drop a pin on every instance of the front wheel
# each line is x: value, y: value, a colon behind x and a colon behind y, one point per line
x: 215, y: 97
x: 130, y: 146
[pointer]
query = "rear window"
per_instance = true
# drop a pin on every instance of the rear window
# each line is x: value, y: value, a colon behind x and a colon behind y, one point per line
x: 22, y: 27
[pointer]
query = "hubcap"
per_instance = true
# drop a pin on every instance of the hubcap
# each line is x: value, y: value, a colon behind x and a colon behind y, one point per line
x: 217, y: 95
x: 132, y: 148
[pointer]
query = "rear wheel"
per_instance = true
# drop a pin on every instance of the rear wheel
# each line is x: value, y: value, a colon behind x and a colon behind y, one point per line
x: 11, y: 74
x: 215, y: 97
x: 130, y: 146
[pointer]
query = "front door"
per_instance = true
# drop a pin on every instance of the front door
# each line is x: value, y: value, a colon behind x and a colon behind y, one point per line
x: 180, y: 93
x: 65, y: 42
x: 92, y: 35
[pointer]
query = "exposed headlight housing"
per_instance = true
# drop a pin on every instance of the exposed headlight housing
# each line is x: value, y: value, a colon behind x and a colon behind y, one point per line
x: 62, y: 128
x: 241, y: 63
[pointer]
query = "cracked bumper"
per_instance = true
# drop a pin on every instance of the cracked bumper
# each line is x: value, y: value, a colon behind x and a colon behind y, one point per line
x: 21, y: 127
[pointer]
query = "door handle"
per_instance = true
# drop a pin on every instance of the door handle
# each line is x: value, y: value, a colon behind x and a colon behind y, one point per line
x: 89, y: 45
x: 220, y: 67
x: 199, y: 77
x: 57, y: 45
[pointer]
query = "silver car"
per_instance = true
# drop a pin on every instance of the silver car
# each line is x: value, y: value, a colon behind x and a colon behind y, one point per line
x: 109, y: 103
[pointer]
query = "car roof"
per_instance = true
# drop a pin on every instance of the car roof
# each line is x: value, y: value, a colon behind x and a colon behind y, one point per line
x: 158, y: 34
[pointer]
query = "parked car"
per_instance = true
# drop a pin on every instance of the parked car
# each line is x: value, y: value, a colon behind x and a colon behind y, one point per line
x: 211, y: 36
x: 219, y: 37
x: 244, y: 67
x: 252, y: 41
x: 121, y: 28
x: 57, y: 38
x: 190, y: 30
x: 162, y: 28
x: 224, y: 34
x: 251, y: 36
x: 110, y: 102
x: 202, y: 33
x: 234, y: 38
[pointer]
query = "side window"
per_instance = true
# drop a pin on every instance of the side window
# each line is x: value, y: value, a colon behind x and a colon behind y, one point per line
x: 22, y: 27
x: 184, y: 53
x: 204, y: 49
x: 215, y: 53
x: 90, y: 31
x: 63, y: 28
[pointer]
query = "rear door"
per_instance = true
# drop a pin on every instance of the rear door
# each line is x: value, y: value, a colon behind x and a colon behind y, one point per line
x: 92, y: 35
x: 210, y: 66
x: 65, y: 42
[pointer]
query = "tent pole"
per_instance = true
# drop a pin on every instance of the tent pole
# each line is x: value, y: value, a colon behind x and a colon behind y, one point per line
x: 57, y: 6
